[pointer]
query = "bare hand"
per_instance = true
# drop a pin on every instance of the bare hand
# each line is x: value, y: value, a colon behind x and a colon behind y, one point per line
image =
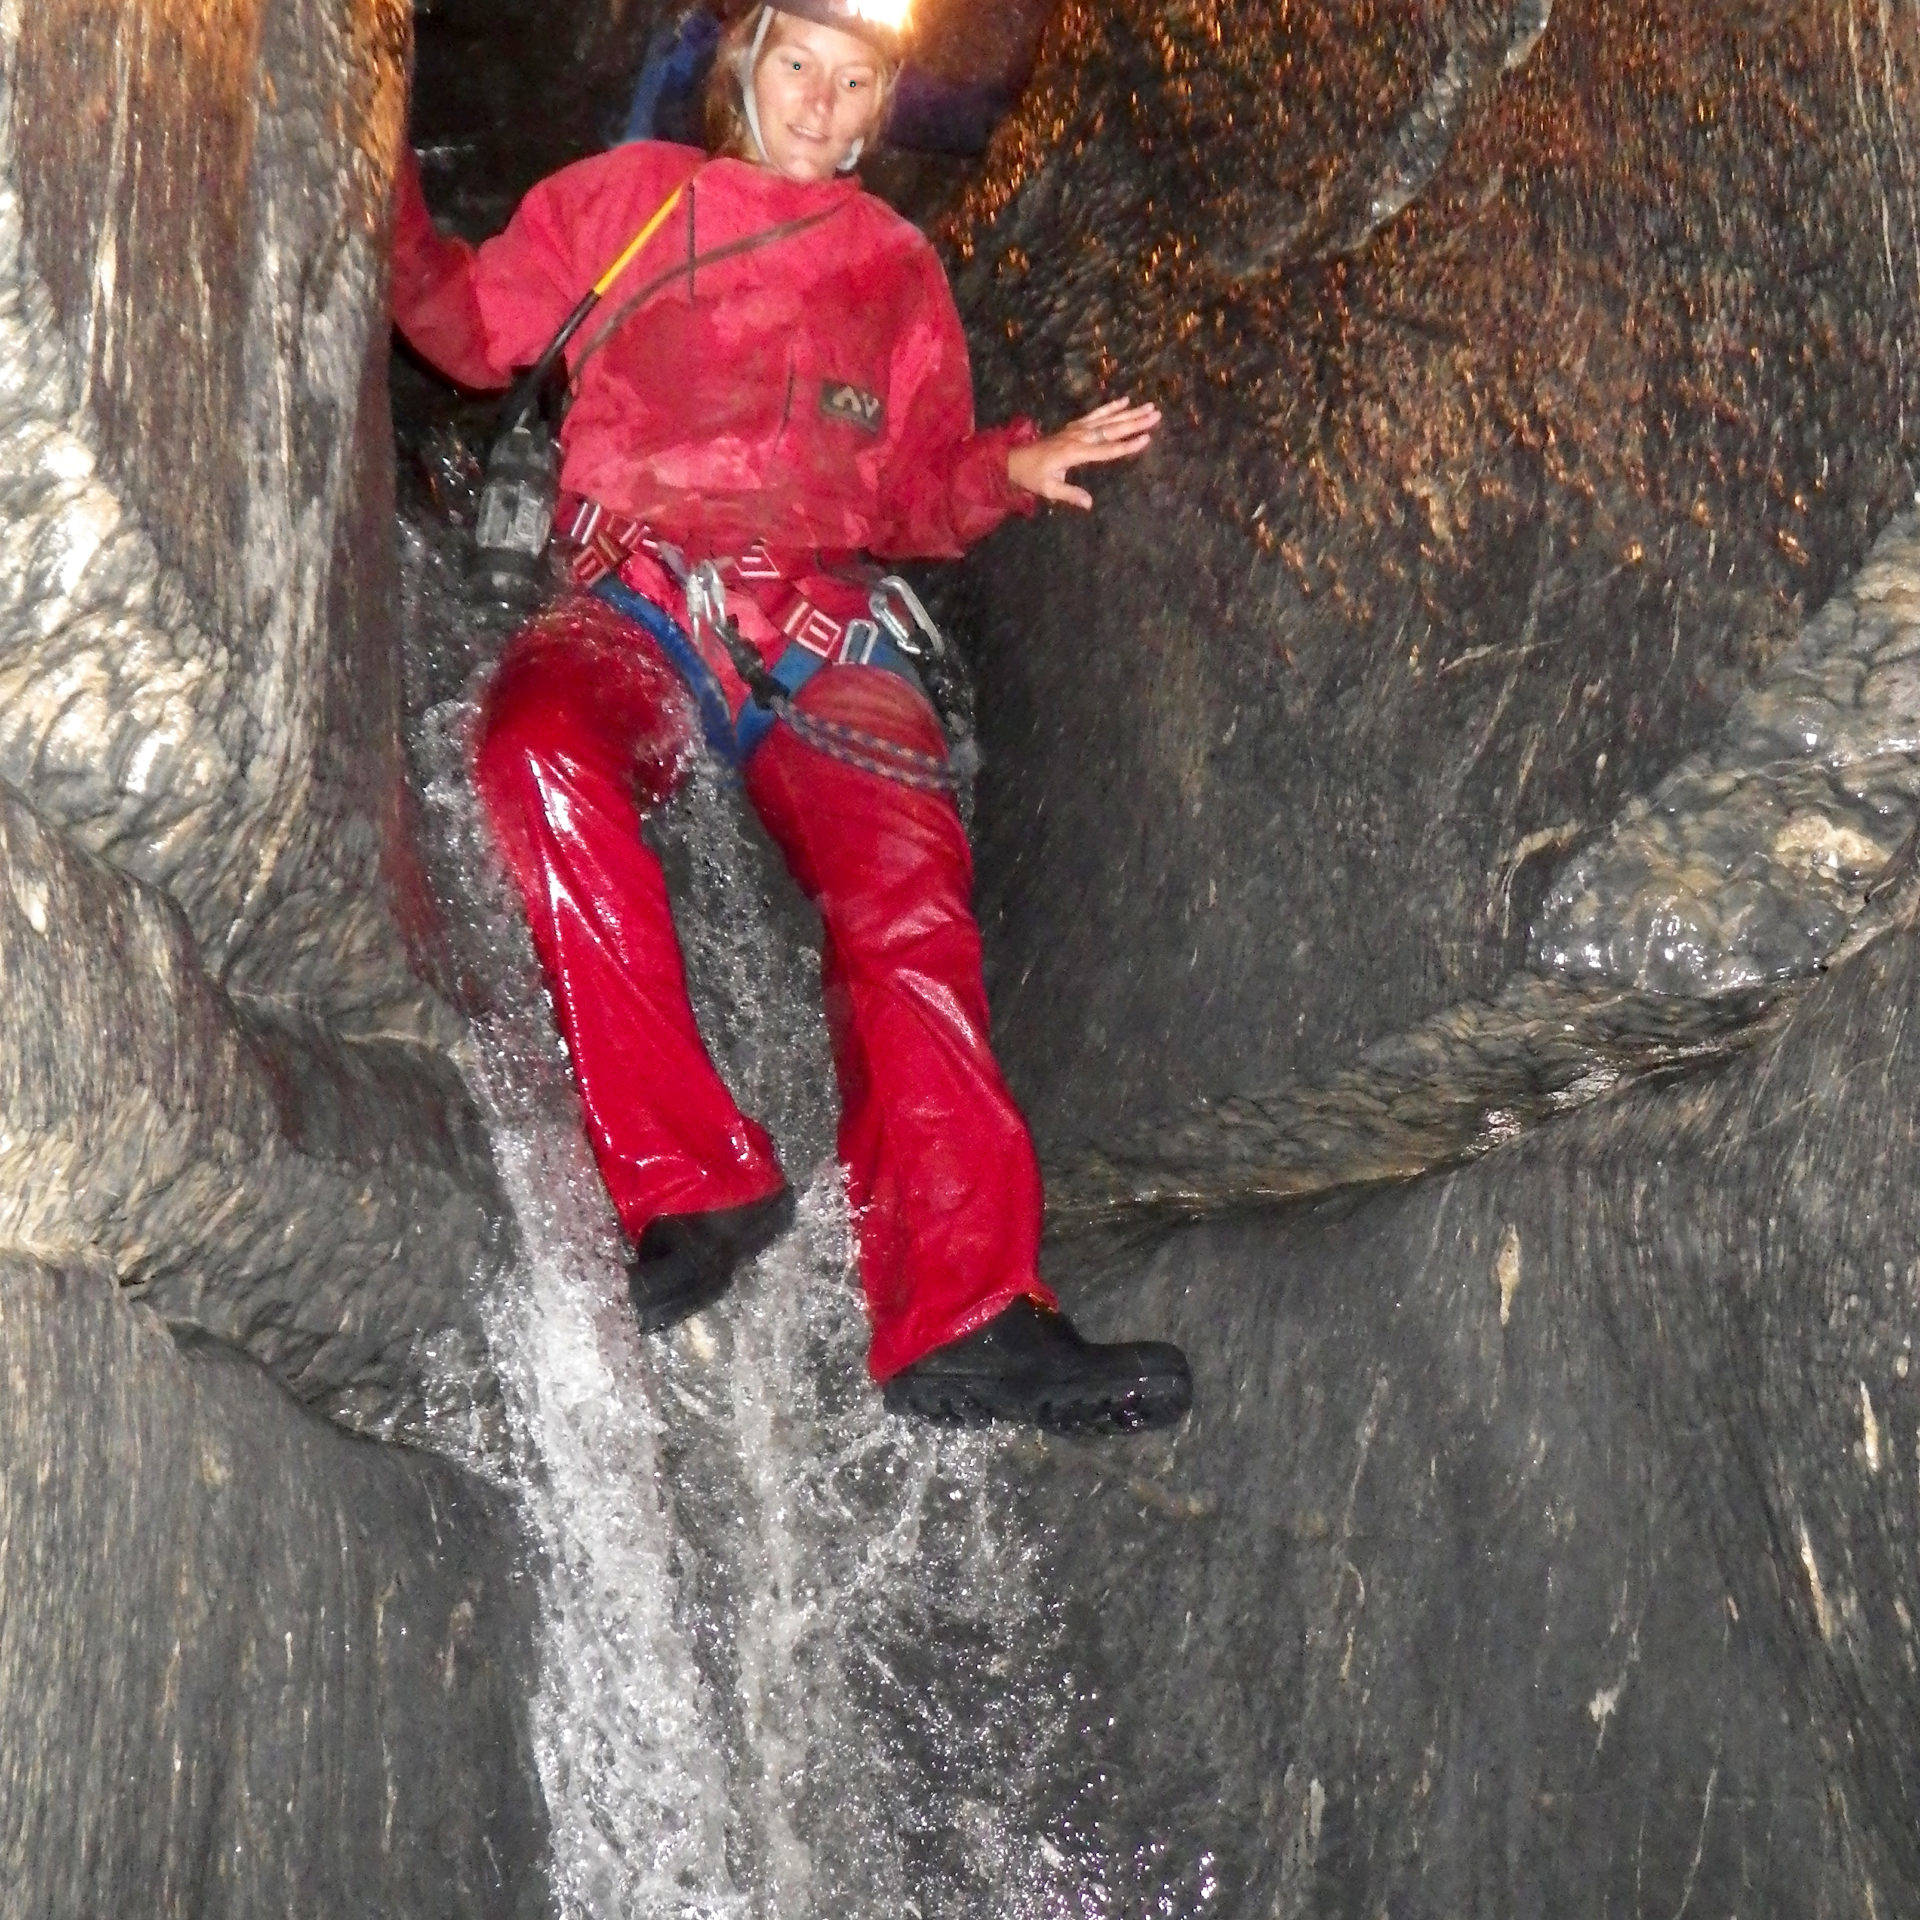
x: 1117, y: 431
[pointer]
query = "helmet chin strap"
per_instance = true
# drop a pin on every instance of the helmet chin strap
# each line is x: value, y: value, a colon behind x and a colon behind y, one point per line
x: 750, y: 108
x: 748, y: 62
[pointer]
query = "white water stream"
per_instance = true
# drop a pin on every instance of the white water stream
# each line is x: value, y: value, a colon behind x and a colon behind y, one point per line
x: 795, y: 1657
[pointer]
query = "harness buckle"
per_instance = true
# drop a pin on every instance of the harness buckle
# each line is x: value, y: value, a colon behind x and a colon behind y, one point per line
x: 858, y: 642
x: 922, y: 639
x: 706, y: 595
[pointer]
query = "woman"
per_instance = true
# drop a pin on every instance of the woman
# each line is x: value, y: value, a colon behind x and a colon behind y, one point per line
x: 779, y: 387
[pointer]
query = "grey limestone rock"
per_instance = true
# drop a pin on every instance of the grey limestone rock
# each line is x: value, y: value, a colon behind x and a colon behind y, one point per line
x: 1751, y: 859
x: 1540, y: 1542
x: 248, y: 1665
x: 325, y: 1203
x: 225, y: 1083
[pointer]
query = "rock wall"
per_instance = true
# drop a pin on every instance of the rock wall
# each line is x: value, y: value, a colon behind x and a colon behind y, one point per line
x: 1468, y: 520
x: 204, y: 192
x: 1541, y: 1543
x: 1450, y: 746
x: 180, y: 732
x: 1537, y: 1545
x: 1538, y: 1540
x: 247, y: 1663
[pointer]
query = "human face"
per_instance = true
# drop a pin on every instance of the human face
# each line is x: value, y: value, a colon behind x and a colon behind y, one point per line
x: 817, y: 91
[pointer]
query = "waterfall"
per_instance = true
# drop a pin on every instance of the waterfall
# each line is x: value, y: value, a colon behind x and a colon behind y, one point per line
x: 797, y: 1655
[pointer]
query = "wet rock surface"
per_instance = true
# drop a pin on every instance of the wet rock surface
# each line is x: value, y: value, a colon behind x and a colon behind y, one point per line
x: 221, y: 1083
x: 1538, y: 1543
x: 1457, y: 536
x: 248, y: 1665
x: 1708, y: 902
x: 1464, y: 1081
x: 1749, y: 862
x: 204, y: 197
x: 326, y: 1204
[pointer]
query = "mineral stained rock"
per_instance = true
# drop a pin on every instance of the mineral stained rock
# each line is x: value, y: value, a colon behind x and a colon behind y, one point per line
x: 1533, y: 381
x: 1466, y: 524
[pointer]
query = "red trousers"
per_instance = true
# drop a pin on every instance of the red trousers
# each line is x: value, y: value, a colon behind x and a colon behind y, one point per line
x: 584, y: 723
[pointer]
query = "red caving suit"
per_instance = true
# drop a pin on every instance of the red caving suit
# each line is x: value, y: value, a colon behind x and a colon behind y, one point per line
x: 801, y: 398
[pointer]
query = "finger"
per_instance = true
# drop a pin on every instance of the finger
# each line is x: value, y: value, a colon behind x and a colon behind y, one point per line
x: 1117, y: 425
x: 1114, y: 450
x: 1113, y: 426
x: 1105, y: 411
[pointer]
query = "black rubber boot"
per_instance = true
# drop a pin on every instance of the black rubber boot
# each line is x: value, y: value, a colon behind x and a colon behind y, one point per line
x: 1027, y: 1364
x: 686, y: 1261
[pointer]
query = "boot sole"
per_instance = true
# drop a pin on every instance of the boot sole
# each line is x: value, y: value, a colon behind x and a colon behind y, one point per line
x: 1144, y: 1407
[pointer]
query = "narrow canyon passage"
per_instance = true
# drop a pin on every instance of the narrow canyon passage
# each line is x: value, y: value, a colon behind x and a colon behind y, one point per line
x: 1446, y: 852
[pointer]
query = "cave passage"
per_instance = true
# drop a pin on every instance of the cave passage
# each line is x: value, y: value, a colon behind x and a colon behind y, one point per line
x: 1445, y: 848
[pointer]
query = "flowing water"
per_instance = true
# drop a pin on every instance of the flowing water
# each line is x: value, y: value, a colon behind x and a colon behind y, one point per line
x: 796, y: 1657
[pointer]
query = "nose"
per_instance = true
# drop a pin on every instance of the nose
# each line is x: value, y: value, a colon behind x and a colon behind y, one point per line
x: 820, y: 95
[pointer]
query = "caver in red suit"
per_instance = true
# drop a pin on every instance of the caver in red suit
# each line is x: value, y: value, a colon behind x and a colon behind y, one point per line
x: 791, y: 390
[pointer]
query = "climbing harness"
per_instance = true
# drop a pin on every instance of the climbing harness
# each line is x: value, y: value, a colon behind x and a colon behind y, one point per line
x: 898, y: 636
x: 772, y: 691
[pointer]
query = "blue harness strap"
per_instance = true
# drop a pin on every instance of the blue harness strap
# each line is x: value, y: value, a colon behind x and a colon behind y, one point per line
x: 735, y: 739
x: 716, y: 717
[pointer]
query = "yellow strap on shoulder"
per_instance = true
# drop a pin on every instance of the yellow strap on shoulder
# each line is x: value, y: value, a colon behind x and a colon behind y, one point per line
x: 638, y: 241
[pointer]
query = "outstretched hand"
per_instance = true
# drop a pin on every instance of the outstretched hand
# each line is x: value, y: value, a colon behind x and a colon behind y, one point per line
x: 1117, y: 431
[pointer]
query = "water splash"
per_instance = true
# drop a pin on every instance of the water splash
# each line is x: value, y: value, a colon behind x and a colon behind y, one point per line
x: 796, y: 1658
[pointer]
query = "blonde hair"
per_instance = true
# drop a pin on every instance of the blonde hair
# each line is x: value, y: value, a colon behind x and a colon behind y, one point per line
x: 728, y: 134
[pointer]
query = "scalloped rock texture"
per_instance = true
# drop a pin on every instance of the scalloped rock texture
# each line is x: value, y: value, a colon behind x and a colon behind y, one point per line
x: 253, y: 1125
x: 248, y: 1663
x: 1749, y: 862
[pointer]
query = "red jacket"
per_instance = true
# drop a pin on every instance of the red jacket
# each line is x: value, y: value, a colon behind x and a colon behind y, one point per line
x: 811, y: 392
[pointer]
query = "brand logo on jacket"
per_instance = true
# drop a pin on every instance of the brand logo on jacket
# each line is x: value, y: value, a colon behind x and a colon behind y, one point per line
x: 839, y: 401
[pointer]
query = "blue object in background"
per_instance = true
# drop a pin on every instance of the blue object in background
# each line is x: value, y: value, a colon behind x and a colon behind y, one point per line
x: 929, y: 115
x: 673, y: 77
